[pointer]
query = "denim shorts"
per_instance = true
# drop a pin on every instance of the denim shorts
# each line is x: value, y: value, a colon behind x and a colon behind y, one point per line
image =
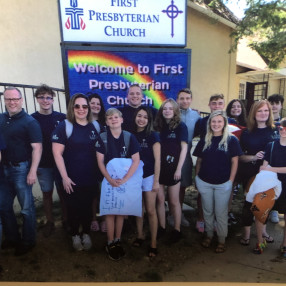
x: 147, y: 183
x: 46, y: 178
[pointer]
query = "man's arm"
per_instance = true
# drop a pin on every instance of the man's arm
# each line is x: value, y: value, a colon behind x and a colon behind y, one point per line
x: 36, y: 157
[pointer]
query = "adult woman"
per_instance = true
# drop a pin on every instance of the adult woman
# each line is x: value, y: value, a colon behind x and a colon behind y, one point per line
x: 75, y: 157
x: 215, y: 172
x: 275, y: 161
x: 98, y: 114
x: 174, y: 138
x: 150, y: 155
x: 260, y: 131
x: 235, y: 109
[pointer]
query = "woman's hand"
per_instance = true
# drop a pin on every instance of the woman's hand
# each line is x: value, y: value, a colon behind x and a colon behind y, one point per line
x: 67, y: 183
x: 259, y: 156
x: 114, y: 182
x: 155, y: 187
x: 177, y: 175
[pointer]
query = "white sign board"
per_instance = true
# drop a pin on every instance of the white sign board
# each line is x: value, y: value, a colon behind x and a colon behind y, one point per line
x: 143, y: 22
x: 126, y: 199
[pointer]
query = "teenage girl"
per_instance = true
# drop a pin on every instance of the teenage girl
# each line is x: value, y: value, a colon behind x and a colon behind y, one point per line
x: 174, y: 138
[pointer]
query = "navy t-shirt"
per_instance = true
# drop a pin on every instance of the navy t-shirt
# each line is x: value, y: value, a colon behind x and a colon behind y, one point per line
x: 19, y: 131
x: 278, y: 157
x: 146, y: 151
x: 216, y: 163
x: 116, y: 147
x: 2, y: 144
x: 79, y: 153
x: 255, y: 141
x: 48, y: 124
x: 128, y: 116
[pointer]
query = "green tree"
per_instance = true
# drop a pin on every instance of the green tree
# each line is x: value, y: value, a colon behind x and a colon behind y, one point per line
x: 264, y: 24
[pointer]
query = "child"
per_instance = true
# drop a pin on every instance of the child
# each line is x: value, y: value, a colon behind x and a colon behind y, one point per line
x: 275, y: 161
x: 150, y: 154
x: 215, y: 172
x: 116, y: 148
x: 174, y: 138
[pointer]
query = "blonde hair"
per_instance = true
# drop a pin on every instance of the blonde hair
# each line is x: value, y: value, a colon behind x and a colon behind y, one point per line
x: 223, y: 144
x: 251, y: 122
x: 111, y: 111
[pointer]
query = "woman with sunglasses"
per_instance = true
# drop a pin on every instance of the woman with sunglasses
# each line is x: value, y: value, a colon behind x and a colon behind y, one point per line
x: 260, y: 131
x: 75, y: 157
x: 275, y: 161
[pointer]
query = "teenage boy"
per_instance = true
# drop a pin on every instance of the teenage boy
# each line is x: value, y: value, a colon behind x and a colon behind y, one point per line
x: 47, y: 172
x: 134, y: 97
x: 116, y: 148
x: 189, y: 117
x: 276, y: 101
x: 216, y: 102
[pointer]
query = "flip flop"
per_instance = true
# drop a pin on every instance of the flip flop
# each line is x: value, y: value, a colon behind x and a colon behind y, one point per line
x: 152, y: 252
x: 244, y: 241
x: 268, y: 239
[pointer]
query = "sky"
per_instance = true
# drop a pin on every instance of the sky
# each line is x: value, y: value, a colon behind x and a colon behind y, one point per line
x: 237, y: 7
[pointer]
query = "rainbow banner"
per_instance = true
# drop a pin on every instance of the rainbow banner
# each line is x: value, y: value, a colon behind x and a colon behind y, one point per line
x: 160, y: 73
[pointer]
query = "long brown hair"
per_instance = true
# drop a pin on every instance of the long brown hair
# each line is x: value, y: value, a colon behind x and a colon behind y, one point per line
x: 70, y: 111
x: 251, y: 122
x: 160, y: 121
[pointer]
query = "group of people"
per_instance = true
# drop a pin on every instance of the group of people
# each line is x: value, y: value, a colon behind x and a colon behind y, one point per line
x: 77, y: 151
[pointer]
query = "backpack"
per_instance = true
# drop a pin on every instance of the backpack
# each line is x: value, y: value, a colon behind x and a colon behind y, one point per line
x: 69, y: 127
x: 126, y: 135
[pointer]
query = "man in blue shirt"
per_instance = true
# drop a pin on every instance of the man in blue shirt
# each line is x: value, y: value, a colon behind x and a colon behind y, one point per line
x: 23, y: 138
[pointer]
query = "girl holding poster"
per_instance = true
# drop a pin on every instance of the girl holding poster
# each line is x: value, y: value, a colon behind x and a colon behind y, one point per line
x: 174, y: 144
x: 149, y: 142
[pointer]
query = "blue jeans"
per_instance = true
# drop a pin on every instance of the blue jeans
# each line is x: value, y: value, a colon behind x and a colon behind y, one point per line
x: 17, y: 185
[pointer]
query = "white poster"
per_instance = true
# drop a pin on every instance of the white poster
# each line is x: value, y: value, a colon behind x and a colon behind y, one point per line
x: 126, y: 199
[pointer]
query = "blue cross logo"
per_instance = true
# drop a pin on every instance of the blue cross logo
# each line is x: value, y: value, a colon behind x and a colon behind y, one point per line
x: 172, y: 12
x: 74, y: 20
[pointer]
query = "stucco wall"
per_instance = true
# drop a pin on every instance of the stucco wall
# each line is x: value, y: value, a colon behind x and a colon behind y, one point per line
x: 213, y: 69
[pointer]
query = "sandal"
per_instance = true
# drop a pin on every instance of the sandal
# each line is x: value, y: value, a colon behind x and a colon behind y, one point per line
x: 152, y: 252
x: 259, y: 248
x: 244, y: 241
x: 206, y: 242
x: 283, y: 251
x: 221, y: 248
x: 138, y: 242
x: 94, y: 226
x: 268, y: 239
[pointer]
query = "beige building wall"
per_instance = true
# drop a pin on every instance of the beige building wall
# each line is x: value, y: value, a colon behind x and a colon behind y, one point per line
x: 30, y: 42
x: 213, y: 68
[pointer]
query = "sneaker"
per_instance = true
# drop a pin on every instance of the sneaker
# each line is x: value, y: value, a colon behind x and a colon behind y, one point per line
x: 76, y: 243
x: 120, y: 249
x: 184, y: 221
x: 86, y: 242
x: 113, y: 251
x: 170, y: 220
x: 175, y: 236
x: 49, y: 228
x: 200, y: 226
x: 274, y: 217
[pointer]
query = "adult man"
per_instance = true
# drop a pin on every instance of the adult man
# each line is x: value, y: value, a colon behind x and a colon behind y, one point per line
x: 189, y: 117
x: 23, y: 138
x: 47, y: 172
x: 134, y: 96
x: 276, y: 101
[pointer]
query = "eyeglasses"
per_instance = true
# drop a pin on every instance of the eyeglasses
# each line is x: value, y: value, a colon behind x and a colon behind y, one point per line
x: 281, y: 128
x: 12, y: 99
x: 78, y: 106
x: 48, y: 98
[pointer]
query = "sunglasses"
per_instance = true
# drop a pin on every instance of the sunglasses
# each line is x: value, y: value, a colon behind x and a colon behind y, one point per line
x: 78, y: 106
x: 281, y: 128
